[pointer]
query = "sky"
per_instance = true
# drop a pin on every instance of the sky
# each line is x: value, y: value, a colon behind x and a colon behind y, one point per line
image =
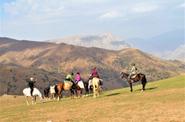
x: 52, y: 19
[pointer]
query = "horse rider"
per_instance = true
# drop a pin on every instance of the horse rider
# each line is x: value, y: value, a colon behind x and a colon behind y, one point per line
x: 31, y: 83
x: 133, y: 70
x: 77, y: 77
x: 69, y: 77
x: 94, y: 73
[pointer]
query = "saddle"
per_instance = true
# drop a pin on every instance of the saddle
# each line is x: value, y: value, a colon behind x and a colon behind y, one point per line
x: 67, y: 85
x: 133, y: 76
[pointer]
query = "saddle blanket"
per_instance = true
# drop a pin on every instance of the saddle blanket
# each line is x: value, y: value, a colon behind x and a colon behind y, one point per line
x: 67, y: 85
x: 81, y: 84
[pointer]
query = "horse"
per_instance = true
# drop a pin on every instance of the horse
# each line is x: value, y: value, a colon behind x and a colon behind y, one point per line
x: 36, y: 92
x: 96, y: 87
x: 47, y: 92
x: 58, y: 89
x: 52, y: 91
x: 88, y: 87
x: 139, y: 77
x: 79, y: 87
x: 66, y: 86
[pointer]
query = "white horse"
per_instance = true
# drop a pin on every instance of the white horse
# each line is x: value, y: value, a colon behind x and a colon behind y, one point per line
x: 36, y: 92
x: 96, y: 87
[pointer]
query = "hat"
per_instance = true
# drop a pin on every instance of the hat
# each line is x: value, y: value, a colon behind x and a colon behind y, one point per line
x: 31, y: 78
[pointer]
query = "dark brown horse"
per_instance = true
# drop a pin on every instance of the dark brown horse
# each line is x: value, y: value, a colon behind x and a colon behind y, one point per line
x: 138, y: 77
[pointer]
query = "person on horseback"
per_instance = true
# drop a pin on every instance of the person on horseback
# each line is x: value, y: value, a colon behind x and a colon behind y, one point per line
x: 77, y: 77
x: 133, y: 71
x: 69, y: 77
x: 31, y: 83
x: 94, y: 73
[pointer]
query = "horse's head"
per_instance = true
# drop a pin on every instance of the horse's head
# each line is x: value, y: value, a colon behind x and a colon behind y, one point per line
x: 124, y: 75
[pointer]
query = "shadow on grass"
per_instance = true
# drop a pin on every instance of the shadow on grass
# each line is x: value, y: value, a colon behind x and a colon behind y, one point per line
x: 146, y: 89
x: 113, y: 94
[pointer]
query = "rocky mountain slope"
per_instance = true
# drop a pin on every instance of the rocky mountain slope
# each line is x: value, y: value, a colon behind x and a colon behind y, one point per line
x: 56, y: 60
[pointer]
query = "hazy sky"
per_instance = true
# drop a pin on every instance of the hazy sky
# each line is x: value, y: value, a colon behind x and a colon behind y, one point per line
x: 51, y: 19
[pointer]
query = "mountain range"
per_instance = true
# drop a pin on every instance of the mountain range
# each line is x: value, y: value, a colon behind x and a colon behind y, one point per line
x: 104, y: 40
x: 21, y: 59
x: 167, y: 45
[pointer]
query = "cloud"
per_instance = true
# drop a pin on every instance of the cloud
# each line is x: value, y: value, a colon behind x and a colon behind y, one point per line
x: 181, y: 5
x: 110, y: 14
x: 35, y: 11
x: 144, y: 7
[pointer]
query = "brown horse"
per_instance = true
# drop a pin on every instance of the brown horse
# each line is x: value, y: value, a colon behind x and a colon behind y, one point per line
x: 70, y: 86
x: 58, y: 89
x: 138, y: 77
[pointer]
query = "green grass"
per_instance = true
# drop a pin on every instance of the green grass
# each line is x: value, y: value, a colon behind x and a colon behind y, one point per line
x: 163, y: 100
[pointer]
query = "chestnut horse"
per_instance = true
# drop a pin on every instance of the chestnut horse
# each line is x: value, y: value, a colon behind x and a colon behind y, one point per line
x: 138, y: 77
x: 72, y: 87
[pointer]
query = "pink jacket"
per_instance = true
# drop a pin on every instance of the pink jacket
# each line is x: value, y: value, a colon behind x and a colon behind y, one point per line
x: 94, y: 73
x: 77, y: 77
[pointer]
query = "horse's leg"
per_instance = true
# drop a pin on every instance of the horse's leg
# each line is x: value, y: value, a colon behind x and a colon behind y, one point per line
x: 59, y: 94
x: 53, y: 96
x: 58, y: 97
x: 94, y: 91
x: 72, y: 93
x: 130, y: 83
x: 97, y: 89
x: 80, y: 92
x: 34, y: 99
x: 143, y: 82
x: 26, y: 97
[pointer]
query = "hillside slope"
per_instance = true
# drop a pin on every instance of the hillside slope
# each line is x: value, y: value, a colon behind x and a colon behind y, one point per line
x: 63, y: 58
x: 163, y: 101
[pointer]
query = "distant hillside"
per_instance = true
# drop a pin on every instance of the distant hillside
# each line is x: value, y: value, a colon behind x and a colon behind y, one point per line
x: 105, y: 40
x: 63, y: 58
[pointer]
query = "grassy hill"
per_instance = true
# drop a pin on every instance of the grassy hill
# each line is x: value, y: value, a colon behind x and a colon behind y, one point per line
x: 163, y: 101
x: 48, y: 60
